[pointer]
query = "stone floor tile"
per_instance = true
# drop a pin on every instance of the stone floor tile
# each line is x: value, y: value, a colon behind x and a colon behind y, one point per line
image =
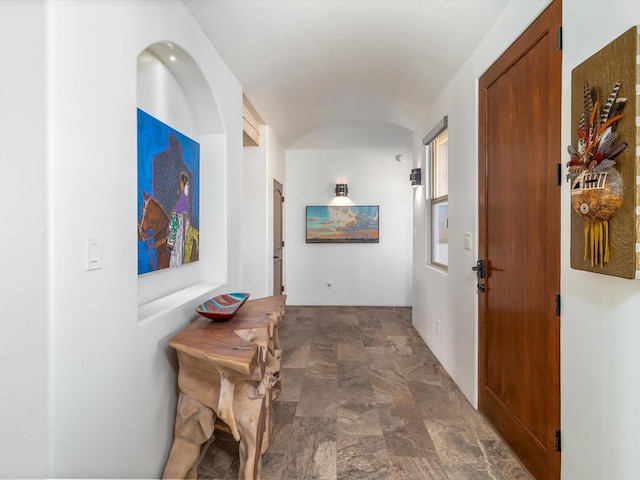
x: 318, y: 398
x: 291, y: 379
x: 374, y: 337
x: 272, y: 465
x: 352, y: 350
x: 313, y: 450
x: 299, y: 334
x: 401, y: 345
x: 364, y: 398
x: 390, y: 387
x: 366, y: 319
x: 395, y: 328
x: 434, y: 401
x: 404, y: 431
x: 348, y: 332
x: 354, y: 382
x: 414, y: 468
x: 295, y: 356
x: 362, y: 457
x: 501, y: 455
x: 321, y: 353
x: 327, y: 371
x: 382, y: 358
x: 221, y: 460
x: 358, y: 418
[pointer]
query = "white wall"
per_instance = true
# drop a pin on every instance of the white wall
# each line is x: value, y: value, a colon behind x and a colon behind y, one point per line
x: 276, y: 170
x: 90, y: 391
x: 256, y: 200
x: 600, y: 314
x: 24, y: 449
x: 451, y: 297
x: 113, y: 377
x: 363, y: 156
x: 262, y: 165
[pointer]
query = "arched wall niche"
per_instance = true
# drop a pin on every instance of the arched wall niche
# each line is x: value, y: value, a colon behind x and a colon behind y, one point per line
x: 190, y: 79
x: 172, y: 88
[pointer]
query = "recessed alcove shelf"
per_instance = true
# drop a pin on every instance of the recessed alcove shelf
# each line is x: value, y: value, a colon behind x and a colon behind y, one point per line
x: 184, y: 301
x: 172, y: 88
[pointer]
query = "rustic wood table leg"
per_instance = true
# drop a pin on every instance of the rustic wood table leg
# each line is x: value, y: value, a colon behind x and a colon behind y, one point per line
x: 251, y: 427
x: 271, y: 384
x: 194, y: 426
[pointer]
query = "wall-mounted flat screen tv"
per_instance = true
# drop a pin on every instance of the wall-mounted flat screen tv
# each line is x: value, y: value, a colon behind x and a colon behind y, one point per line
x: 338, y: 224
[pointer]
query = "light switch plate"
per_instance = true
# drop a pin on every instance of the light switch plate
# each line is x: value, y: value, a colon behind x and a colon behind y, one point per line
x: 467, y: 241
x: 92, y: 253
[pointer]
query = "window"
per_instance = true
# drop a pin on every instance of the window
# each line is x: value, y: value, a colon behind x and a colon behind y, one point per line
x: 437, y: 143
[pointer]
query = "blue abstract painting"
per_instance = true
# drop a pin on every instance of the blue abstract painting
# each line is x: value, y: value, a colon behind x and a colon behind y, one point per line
x: 168, y: 196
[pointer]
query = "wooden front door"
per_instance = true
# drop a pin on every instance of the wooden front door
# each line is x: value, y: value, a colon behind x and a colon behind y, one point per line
x: 519, y: 238
x: 278, y: 239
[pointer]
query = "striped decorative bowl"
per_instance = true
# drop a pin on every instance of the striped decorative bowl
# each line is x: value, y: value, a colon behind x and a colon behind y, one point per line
x: 222, y: 307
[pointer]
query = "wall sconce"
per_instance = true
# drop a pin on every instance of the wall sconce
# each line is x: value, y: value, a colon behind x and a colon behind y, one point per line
x: 416, y: 177
x: 342, y: 190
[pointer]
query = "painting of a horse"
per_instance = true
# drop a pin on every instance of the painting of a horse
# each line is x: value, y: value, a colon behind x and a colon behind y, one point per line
x: 153, y: 229
x: 168, y: 196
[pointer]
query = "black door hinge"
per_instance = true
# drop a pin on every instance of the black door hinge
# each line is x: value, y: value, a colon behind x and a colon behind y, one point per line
x: 282, y: 288
x: 283, y: 244
x: 557, y: 305
x: 558, y: 174
x: 558, y: 444
x: 559, y: 38
x: 283, y: 199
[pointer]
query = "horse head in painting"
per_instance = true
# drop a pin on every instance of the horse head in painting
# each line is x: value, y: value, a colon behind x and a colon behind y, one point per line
x: 152, y: 229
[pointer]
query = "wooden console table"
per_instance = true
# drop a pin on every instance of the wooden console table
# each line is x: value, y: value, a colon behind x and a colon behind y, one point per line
x: 229, y: 375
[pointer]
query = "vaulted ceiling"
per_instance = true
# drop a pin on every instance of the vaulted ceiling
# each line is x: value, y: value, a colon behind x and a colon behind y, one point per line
x: 306, y: 64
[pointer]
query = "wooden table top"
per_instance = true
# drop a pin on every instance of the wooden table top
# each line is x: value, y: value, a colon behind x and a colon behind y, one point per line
x: 218, y: 342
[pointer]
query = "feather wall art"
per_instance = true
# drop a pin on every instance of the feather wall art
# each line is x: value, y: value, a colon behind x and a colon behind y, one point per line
x: 603, y: 168
x: 597, y: 190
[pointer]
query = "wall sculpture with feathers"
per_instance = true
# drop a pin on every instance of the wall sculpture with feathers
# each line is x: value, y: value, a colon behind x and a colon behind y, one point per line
x: 602, y: 170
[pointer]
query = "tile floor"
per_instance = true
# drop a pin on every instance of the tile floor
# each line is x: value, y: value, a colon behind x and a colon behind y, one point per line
x: 363, y: 397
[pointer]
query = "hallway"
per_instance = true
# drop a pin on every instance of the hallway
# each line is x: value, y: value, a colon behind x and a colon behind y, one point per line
x: 364, y: 398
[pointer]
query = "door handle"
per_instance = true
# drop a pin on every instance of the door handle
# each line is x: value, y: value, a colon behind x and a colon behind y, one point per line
x: 480, y: 269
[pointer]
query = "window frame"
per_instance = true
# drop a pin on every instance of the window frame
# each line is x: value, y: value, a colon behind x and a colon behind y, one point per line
x: 432, y: 183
